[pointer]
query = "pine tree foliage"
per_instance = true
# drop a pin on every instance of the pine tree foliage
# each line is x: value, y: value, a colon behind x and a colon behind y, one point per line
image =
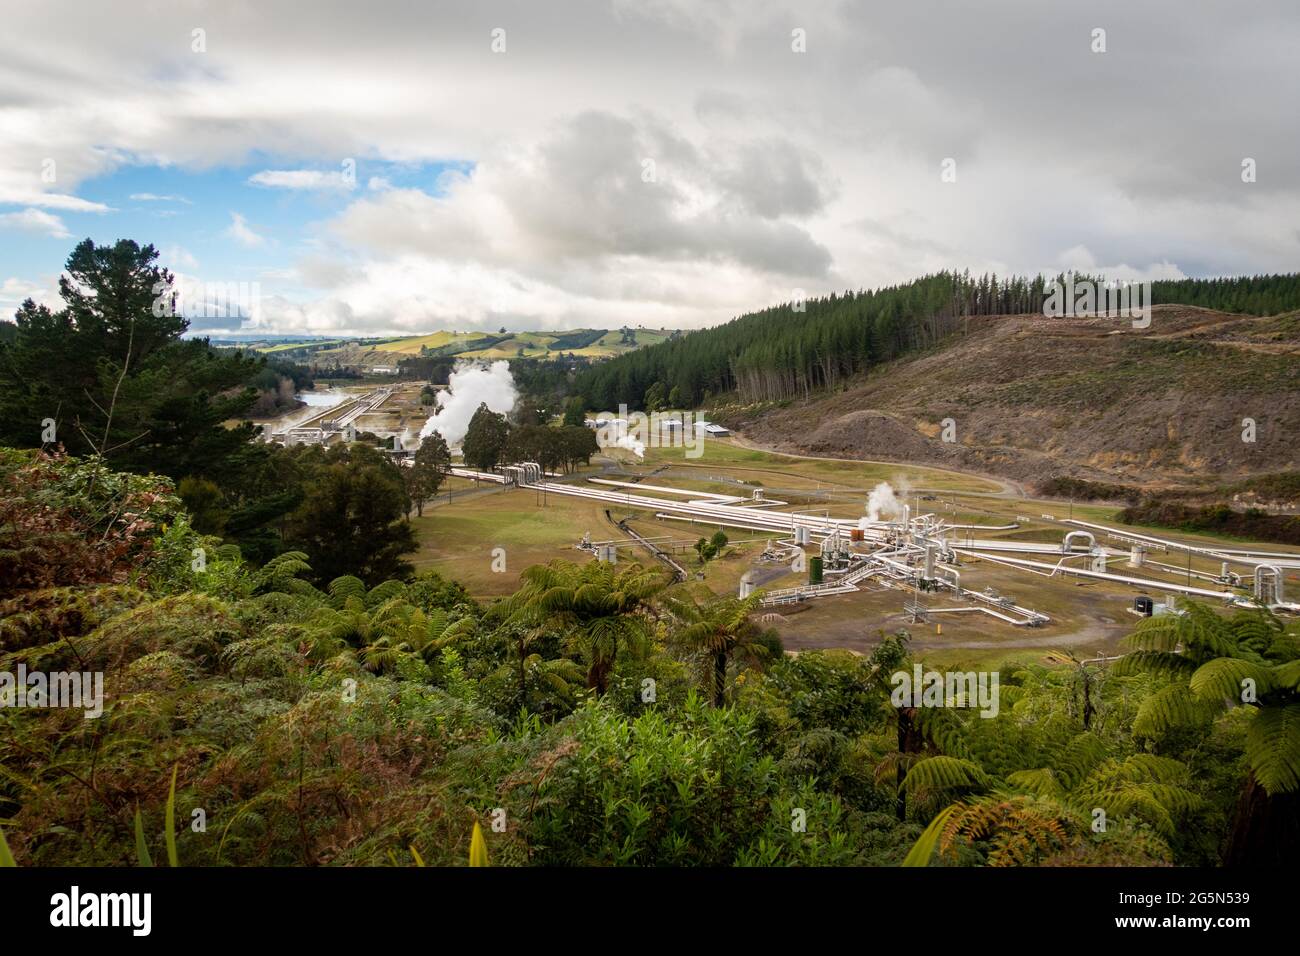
x: 793, y: 349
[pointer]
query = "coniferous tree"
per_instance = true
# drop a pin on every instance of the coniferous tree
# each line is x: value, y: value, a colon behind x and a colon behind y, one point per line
x: 111, y: 371
x: 792, y: 350
x: 429, y: 470
x: 486, y: 439
x: 352, y: 520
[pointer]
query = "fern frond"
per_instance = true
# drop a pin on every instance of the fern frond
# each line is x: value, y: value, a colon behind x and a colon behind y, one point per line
x: 387, y: 591
x: 1273, y: 748
x: 1042, y: 782
x: 941, y: 772
x: 1287, y: 675
x: 1170, y: 707
x: 342, y: 588
x: 1222, y: 679
x: 1153, y: 661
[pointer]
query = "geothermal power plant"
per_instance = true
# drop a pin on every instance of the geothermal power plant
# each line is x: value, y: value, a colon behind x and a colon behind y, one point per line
x: 923, y: 555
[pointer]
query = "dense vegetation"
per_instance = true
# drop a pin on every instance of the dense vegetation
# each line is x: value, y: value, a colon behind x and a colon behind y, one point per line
x: 269, y: 654
x: 1082, y: 489
x: 1250, y: 525
x: 1202, y: 511
x: 793, y: 349
x: 596, y: 717
x: 1244, y: 295
x: 1278, y: 486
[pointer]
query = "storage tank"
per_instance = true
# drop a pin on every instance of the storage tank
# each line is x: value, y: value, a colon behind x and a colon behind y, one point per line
x: 746, y: 585
x: 857, y: 534
x: 815, y: 569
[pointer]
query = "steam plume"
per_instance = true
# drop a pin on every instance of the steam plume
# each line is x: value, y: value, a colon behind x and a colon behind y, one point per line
x: 470, y: 384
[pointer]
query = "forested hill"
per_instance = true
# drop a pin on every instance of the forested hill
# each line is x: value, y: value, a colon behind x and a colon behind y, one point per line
x: 791, y: 351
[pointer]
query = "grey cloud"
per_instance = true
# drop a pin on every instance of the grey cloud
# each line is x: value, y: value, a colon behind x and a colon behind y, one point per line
x: 767, y: 160
x: 774, y: 179
x: 603, y: 187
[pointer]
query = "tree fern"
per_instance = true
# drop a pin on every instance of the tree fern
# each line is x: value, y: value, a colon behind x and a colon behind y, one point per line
x: 1017, y: 830
x: 1170, y: 707
x: 1287, y: 676
x: 282, y: 572
x: 1040, y: 781
x: 939, y: 773
x: 1273, y: 748
x: 343, y: 588
x: 387, y: 591
x: 1227, y: 651
x: 1223, y: 678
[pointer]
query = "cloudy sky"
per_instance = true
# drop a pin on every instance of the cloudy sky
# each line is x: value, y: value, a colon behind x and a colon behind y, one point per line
x: 387, y: 167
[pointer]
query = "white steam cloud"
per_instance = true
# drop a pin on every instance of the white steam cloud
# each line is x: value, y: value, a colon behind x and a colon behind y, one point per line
x: 631, y: 444
x: 882, y: 504
x: 470, y: 385
x: 617, y: 435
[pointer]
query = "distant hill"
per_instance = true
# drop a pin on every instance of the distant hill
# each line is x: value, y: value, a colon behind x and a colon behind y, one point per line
x: 874, y: 374
x: 589, y: 343
x: 1034, y: 397
x: 795, y: 349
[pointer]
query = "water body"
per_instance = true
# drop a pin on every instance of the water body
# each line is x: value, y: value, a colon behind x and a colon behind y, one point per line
x: 314, y: 402
x: 324, y: 398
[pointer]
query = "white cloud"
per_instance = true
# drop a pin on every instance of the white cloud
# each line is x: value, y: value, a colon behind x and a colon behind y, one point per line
x: 774, y: 168
x: 240, y: 231
x: 303, y: 179
x: 177, y: 258
x: 37, y: 221
x: 21, y: 196
x: 14, y: 291
x: 152, y: 197
x: 585, y: 193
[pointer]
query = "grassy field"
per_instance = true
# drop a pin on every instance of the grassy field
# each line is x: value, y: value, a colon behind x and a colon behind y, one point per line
x: 457, y: 539
x: 290, y: 346
x: 472, y: 345
x: 771, y: 468
x: 413, y: 345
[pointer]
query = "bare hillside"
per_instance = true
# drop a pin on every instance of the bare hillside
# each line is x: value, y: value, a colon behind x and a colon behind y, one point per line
x: 1033, y: 397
